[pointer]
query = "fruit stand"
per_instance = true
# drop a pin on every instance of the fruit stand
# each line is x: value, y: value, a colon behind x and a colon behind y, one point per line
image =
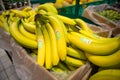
x: 45, y: 41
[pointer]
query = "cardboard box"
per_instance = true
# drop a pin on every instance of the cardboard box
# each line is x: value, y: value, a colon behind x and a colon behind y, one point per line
x: 91, y: 13
x: 27, y: 69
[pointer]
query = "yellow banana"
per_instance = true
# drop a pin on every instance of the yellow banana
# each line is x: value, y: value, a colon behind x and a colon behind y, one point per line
x: 75, y: 53
x: 55, y: 55
x: 41, y: 45
x: 31, y: 17
x: 83, y: 25
x: 67, y: 20
x: 109, y: 74
x: 74, y: 62
x: 48, y: 52
x: 29, y: 27
x: 19, y: 13
x: 24, y: 41
x: 64, y: 28
x: 93, y: 46
x: 47, y: 7
x: 1, y: 24
x: 26, y: 33
x: 2, y: 19
x: 53, y: 8
x: 97, y: 37
x: 5, y: 25
x: 59, y: 3
x: 104, y: 61
x: 26, y: 9
x: 61, y: 42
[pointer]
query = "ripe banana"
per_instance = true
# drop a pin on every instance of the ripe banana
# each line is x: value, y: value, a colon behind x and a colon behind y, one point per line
x: 97, y: 37
x: 83, y: 25
x: 61, y: 42
x: 29, y: 27
x: 67, y: 20
x: 19, y: 13
x: 75, y: 53
x: 93, y: 46
x: 41, y: 45
x: 104, y: 61
x: 53, y: 8
x: 2, y: 19
x: 1, y: 24
x: 48, y: 52
x: 24, y: 41
x: 55, y: 55
x: 47, y: 7
x: 5, y: 25
x: 26, y: 33
x: 27, y: 9
x: 109, y: 74
x: 74, y: 62
x: 64, y: 28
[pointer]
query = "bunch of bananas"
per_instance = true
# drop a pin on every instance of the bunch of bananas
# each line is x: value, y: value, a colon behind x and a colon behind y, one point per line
x: 109, y: 74
x: 43, y: 33
x: 59, y: 42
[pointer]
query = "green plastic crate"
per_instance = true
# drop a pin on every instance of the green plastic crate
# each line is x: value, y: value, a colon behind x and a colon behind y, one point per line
x: 41, y: 1
x: 78, y: 8
x: 111, y: 2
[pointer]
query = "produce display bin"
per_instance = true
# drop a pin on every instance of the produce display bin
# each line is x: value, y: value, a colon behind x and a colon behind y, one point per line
x: 7, y: 69
x: 27, y: 69
x: 91, y: 14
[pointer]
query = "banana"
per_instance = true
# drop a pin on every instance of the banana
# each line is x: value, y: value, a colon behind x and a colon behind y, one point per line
x: 48, y: 52
x: 55, y: 55
x: 64, y: 28
x: 59, y: 3
x: 83, y: 25
x: 93, y: 46
x: 75, y: 53
x: 109, y: 74
x: 5, y: 25
x: 34, y: 56
x: 2, y: 19
x: 24, y: 41
x: 90, y: 35
x: 1, y: 24
x: 67, y: 20
x: 61, y: 41
x: 26, y: 33
x: 41, y: 45
x: 72, y: 68
x: 104, y: 61
x: 62, y: 66
x: 47, y: 7
x: 97, y: 37
x: 53, y: 8
x: 57, y: 69
x: 27, y: 9
x: 29, y: 27
x: 74, y: 62
x: 19, y: 13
